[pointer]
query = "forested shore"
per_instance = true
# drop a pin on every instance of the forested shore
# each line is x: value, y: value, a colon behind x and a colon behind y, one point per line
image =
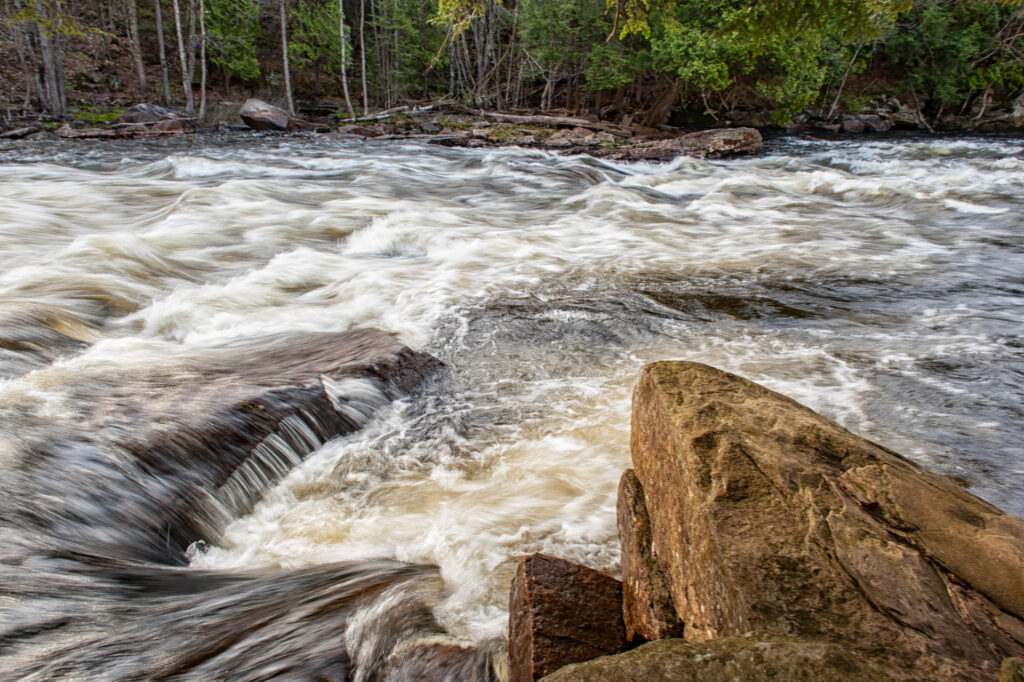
x: 696, y: 63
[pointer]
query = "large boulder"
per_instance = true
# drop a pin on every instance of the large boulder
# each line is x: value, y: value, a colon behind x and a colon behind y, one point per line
x: 726, y: 660
x: 259, y: 115
x: 770, y: 518
x: 561, y: 613
x: 143, y: 113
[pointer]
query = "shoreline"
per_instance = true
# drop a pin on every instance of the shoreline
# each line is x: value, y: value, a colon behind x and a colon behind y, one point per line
x: 457, y: 126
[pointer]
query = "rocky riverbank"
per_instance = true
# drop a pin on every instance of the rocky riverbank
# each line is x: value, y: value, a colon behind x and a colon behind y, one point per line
x: 763, y: 541
x: 450, y: 126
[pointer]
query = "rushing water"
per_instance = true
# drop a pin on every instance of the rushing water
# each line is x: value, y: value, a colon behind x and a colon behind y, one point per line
x: 879, y: 281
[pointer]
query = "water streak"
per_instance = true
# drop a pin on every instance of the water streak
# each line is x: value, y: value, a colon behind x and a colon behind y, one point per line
x: 878, y: 281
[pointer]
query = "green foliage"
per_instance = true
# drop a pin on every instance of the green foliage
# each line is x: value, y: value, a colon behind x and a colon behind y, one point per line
x: 561, y: 33
x: 314, y: 41
x: 570, y: 37
x: 53, y: 21
x: 710, y: 44
x: 950, y: 50
x: 91, y: 115
x: 611, y: 65
x: 232, y: 32
x: 413, y: 44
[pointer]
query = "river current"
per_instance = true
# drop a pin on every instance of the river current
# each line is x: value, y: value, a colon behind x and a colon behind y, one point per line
x: 879, y: 281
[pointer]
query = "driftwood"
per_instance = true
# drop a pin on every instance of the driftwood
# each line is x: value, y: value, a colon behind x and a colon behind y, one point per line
x: 388, y: 113
x: 561, y: 122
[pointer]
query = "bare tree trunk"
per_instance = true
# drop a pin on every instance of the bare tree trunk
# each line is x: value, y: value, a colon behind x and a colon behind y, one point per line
x: 136, y: 46
x: 192, y: 41
x: 377, y: 46
x: 202, y: 60
x: 662, y: 107
x: 344, y: 72
x: 163, y: 52
x: 362, y: 51
x: 19, y: 43
x: 48, y: 67
x: 186, y: 83
x: 284, y: 56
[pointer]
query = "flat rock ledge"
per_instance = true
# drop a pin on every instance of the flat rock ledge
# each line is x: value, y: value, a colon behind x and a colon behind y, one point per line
x: 763, y: 541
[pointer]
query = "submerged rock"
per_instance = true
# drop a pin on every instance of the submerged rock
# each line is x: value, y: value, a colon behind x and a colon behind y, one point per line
x: 561, y: 613
x: 767, y: 517
x: 169, y: 448
x: 33, y: 335
x: 726, y: 660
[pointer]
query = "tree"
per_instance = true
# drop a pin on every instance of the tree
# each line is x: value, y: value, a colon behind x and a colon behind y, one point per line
x: 164, y: 80
x: 362, y: 53
x: 344, y: 60
x: 135, y: 45
x: 284, y: 57
x: 44, y: 26
x: 950, y: 51
x: 233, y: 30
x: 202, y: 60
x: 186, y: 74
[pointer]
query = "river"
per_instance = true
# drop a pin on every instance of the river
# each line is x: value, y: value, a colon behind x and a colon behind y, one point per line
x: 879, y: 281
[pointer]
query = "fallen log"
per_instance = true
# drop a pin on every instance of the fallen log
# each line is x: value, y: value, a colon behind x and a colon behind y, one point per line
x: 561, y: 122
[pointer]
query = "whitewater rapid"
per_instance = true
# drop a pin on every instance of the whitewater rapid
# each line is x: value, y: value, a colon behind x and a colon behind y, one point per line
x: 878, y: 281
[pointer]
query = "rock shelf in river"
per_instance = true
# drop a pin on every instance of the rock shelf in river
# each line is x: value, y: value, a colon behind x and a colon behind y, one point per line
x: 778, y: 543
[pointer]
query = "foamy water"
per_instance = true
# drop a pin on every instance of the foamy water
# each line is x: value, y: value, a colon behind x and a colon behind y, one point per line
x: 880, y: 282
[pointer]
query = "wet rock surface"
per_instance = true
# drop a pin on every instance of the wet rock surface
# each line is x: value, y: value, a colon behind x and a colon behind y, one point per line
x: 186, y: 437
x: 770, y: 518
x: 701, y: 144
x: 647, y: 606
x: 561, y: 613
x: 259, y: 115
x: 726, y: 660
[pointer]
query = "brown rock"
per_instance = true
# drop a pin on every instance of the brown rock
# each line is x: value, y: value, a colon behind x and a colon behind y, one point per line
x: 365, y: 131
x: 770, y: 518
x: 702, y: 144
x: 852, y: 124
x: 561, y: 613
x: 726, y: 660
x: 297, y: 124
x: 874, y: 123
x: 68, y: 132
x: 647, y: 608
x: 259, y: 115
x: 170, y: 125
